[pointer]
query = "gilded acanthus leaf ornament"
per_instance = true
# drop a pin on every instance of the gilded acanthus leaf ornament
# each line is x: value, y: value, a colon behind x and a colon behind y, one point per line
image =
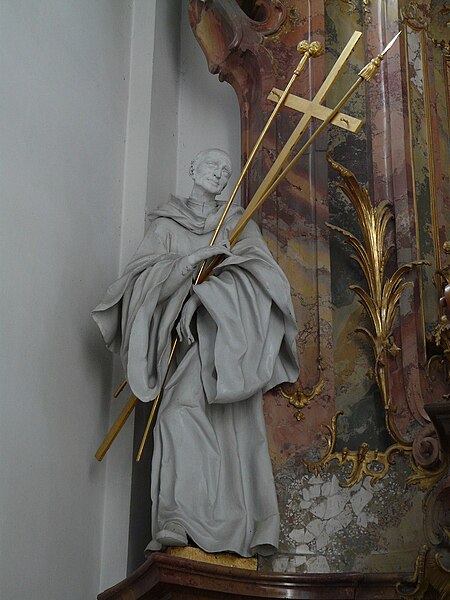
x: 383, y: 293
x: 380, y: 300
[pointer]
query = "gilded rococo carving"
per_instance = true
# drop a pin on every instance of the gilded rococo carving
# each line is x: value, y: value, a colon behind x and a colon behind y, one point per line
x: 431, y: 576
x: 417, y: 18
x: 357, y: 7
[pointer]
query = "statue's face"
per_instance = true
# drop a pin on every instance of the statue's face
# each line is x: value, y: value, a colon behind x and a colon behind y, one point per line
x: 212, y: 172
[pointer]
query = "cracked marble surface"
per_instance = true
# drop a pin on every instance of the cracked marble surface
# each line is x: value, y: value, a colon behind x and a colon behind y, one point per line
x: 346, y: 529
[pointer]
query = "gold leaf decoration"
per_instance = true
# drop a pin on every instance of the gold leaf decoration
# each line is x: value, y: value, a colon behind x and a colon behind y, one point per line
x: 382, y: 297
x: 380, y: 301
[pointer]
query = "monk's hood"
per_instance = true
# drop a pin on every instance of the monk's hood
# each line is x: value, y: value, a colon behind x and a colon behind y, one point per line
x: 178, y: 210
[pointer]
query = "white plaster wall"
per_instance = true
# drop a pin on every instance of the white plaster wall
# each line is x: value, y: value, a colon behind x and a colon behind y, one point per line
x: 149, y: 174
x: 118, y: 461
x: 142, y: 69
x: 208, y: 114
x: 164, y: 106
x: 63, y: 100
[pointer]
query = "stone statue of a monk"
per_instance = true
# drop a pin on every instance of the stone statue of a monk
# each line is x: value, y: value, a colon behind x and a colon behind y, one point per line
x: 211, y: 477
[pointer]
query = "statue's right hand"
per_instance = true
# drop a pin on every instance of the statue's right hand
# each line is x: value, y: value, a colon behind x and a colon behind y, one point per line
x: 192, y: 260
x: 208, y: 252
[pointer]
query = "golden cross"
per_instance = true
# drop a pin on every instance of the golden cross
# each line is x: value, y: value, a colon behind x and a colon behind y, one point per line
x: 310, y: 109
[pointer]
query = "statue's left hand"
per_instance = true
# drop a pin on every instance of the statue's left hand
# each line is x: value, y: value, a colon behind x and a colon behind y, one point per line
x: 184, y: 325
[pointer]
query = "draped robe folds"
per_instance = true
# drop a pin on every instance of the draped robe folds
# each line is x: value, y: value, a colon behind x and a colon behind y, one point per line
x: 211, y: 471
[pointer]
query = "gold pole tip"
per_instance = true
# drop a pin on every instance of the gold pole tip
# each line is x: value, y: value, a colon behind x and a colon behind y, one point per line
x: 369, y: 71
x: 316, y: 49
x: 313, y: 49
x: 303, y: 47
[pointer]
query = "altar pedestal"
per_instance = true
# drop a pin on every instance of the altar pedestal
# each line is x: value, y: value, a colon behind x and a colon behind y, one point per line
x: 172, y: 578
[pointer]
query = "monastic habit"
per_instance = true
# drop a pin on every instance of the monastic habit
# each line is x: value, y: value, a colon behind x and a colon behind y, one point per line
x: 211, y: 472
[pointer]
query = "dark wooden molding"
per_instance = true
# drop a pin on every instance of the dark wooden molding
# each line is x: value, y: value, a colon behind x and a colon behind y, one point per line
x: 170, y: 577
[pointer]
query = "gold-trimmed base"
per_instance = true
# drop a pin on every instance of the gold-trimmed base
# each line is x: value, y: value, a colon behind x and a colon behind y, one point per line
x: 223, y: 559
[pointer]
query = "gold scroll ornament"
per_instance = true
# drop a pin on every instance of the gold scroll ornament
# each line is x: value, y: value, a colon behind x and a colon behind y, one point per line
x: 431, y: 578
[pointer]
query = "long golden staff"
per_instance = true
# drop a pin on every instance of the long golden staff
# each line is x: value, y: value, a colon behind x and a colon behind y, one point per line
x: 307, y: 49
x: 366, y: 74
